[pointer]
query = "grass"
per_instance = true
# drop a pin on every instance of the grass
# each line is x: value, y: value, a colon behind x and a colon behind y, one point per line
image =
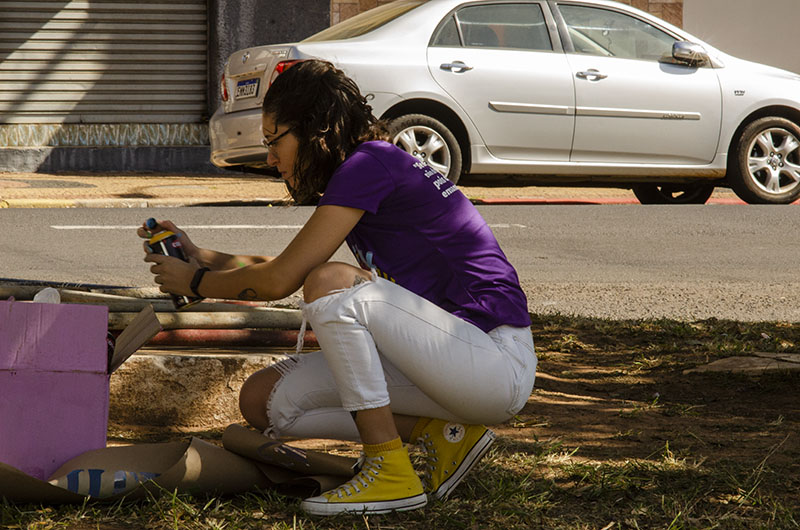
x: 537, y: 486
x: 663, y: 459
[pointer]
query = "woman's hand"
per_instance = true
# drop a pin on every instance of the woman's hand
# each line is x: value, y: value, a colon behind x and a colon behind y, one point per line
x: 172, y: 274
x: 189, y: 249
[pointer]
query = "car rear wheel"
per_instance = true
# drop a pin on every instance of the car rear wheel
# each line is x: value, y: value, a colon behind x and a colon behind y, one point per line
x: 673, y: 193
x: 430, y: 141
x: 764, y: 166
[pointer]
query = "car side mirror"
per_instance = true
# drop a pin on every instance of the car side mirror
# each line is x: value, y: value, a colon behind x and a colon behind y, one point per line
x: 689, y: 53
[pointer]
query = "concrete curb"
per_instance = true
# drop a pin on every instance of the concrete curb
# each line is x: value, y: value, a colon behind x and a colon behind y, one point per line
x: 134, y: 203
x: 585, y: 201
x: 535, y: 200
x: 183, y: 202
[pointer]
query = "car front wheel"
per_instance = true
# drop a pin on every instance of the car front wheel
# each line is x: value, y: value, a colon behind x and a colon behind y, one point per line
x: 430, y: 141
x: 673, y: 193
x: 764, y: 166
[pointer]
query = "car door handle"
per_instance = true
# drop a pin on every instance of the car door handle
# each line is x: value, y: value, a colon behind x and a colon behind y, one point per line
x: 591, y: 72
x: 455, y: 67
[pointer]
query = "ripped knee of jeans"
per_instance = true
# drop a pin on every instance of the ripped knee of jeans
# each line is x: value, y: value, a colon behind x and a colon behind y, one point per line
x: 328, y: 278
x: 311, y: 307
x: 276, y: 410
x: 360, y: 279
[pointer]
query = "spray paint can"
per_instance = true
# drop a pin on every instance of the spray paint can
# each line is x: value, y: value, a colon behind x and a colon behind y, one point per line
x: 168, y: 244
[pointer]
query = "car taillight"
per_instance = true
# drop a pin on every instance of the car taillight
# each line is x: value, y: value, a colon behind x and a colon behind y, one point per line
x: 282, y: 67
x: 223, y: 89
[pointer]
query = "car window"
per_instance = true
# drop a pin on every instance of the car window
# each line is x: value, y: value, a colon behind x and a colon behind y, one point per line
x: 366, y: 21
x: 518, y: 26
x: 596, y: 31
x: 447, y: 34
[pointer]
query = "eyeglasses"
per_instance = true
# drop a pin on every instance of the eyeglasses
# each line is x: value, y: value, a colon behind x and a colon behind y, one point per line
x: 269, y: 143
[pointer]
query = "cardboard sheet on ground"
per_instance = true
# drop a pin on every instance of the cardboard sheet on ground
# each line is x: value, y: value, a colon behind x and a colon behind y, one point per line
x: 248, y: 462
x: 758, y: 363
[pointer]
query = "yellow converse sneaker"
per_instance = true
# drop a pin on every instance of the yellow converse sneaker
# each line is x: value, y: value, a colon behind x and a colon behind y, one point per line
x: 387, y: 482
x: 452, y: 450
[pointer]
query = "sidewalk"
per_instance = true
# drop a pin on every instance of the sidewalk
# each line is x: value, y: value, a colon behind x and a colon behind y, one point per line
x: 126, y: 190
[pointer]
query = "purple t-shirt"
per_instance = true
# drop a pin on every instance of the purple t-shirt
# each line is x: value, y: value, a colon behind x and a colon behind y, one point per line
x: 420, y: 231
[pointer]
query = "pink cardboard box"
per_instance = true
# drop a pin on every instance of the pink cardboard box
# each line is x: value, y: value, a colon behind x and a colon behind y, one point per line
x: 53, y: 383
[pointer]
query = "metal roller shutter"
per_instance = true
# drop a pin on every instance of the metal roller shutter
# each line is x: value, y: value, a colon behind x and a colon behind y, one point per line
x: 103, y: 62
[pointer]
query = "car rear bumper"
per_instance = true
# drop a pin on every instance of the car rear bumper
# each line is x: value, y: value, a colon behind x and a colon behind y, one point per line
x: 236, y: 138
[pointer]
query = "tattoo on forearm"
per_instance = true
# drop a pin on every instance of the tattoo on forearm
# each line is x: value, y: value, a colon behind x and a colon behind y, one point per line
x: 248, y: 294
x: 359, y: 279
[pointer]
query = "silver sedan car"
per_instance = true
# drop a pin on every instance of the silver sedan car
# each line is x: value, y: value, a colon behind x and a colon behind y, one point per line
x: 563, y: 92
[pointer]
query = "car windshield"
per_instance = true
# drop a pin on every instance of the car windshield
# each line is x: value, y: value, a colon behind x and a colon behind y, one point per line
x: 365, y: 22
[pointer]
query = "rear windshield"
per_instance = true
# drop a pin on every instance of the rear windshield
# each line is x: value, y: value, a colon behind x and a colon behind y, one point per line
x: 366, y: 21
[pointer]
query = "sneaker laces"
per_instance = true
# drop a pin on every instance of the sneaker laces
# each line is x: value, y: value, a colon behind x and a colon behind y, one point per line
x: 359, y: 462
x: 431, y: 460
x: 369, y: 470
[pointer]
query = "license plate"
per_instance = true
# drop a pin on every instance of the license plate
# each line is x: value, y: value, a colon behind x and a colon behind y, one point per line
x: 247, y: 88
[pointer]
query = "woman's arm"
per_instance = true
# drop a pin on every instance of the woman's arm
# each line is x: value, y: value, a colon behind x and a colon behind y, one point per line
x: 271, y: 279
x: 212, y: 259
x: 220, y: 261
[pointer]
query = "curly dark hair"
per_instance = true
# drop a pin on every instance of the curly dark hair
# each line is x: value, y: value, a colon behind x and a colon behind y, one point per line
x: 330, y: 117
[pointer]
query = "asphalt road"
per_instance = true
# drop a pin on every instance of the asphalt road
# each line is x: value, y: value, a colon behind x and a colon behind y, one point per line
x: 609, y: 261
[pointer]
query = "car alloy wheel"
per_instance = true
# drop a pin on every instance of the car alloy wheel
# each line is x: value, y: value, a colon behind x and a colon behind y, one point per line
x: 430, y: 141
x: 773, y: 161
x: 673, y: 193
x: 766, y: 166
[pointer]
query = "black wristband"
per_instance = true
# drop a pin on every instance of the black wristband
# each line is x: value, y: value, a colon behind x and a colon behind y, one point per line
x: 198, y: 277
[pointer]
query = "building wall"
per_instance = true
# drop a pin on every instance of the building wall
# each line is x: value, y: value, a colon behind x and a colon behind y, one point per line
x: 66, y: 132
x: 238, y: 24
x: 773, y: 41
x: 344, y: 9
x: 669, y: 10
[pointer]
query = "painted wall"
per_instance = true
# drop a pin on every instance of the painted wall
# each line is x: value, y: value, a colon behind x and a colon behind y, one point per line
x: 764, y: 31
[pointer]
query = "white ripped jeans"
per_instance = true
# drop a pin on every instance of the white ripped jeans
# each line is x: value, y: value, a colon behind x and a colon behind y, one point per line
x: 384, y: 345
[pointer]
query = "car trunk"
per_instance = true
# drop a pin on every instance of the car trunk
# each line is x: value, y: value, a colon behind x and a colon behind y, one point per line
x: 248, y: 74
